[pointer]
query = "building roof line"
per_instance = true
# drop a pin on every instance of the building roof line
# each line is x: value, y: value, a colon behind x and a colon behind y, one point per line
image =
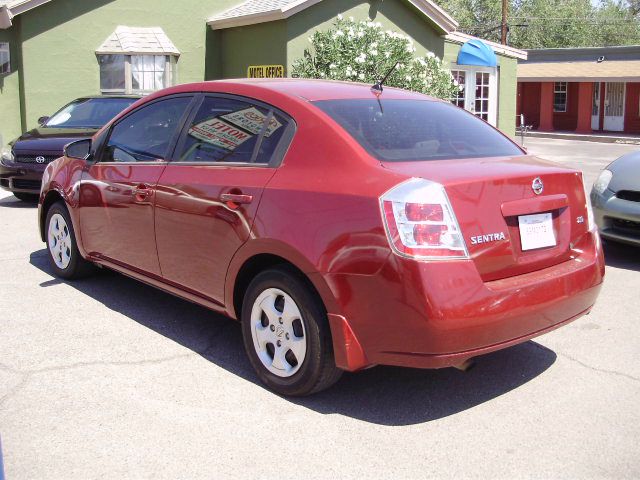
x: 252, y: 12
x: 10, y: 9
x: 459, y: 37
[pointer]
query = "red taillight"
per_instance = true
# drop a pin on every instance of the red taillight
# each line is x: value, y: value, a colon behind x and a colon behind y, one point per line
x: 420, y: 222
x: 428, y: 234
x: 423, y: 212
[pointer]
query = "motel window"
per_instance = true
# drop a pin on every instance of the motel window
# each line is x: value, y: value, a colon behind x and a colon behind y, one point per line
x: 459, y: 98
x: 560, y: 97
x: 136, y: 74
x: 5, y: 58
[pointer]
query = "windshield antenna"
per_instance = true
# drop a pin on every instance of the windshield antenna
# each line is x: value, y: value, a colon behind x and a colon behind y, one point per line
x: 378, y: 88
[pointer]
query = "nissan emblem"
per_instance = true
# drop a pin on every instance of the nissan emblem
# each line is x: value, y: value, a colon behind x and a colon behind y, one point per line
x: 537, y: 186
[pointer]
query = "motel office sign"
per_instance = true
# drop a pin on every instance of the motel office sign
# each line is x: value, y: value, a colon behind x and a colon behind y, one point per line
x: 265, y: 71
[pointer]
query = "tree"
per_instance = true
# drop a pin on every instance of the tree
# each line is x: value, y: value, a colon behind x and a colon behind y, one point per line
x: 364, y: 52
x: 552, y: 23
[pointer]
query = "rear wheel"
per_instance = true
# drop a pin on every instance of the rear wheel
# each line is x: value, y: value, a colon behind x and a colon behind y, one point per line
x: 27, y: 197
x: 64, y: 256
x: 286, y: 334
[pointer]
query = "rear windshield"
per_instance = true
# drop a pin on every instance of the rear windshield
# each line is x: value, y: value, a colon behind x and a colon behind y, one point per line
x: 410, y: 130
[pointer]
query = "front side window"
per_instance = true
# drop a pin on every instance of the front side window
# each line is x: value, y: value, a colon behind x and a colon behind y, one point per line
x: 560, y: 94
x: 410, y: 130
x: 88, y: 112
x: 136, y: 74
x: 145, y: 135
x: 234, y: 131
x: 5, y: 58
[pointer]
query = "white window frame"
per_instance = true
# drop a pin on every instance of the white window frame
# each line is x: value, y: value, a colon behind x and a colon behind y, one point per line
x: 560, y: 88
x: 470, y: 89
x: 170, y: 74
x: 5, y: 48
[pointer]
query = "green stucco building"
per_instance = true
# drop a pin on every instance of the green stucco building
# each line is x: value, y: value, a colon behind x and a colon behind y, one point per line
x: 53, y: 51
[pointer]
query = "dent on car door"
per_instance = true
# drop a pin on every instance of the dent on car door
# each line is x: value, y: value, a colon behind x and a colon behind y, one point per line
x: 209, y: 193
x: 117, y: 191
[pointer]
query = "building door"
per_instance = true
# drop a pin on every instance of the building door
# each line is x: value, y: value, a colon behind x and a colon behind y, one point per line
x: 614, y: 107
x: 595, y: 110
x: 479, y: 93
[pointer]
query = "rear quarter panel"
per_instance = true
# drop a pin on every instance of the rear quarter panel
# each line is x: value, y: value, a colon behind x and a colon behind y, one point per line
x: 320, y: 210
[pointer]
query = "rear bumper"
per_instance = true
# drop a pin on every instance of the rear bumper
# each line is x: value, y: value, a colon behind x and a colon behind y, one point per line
x: 435, y: 315
x: 617, y: 219
x: 22, y: 178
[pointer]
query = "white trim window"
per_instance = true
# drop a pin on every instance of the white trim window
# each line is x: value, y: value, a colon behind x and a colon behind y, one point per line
x: 137, y: 60
x: 560, y: 97
x: 5, y: 58
x: 136, y: 74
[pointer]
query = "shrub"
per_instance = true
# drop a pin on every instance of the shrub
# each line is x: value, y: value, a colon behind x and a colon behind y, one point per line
x: 364, y: 52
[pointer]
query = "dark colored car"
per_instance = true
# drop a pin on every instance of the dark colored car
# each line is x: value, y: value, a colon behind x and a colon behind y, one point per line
x: 24, y: 159
x: 616, y: 200
x: 344, y: 228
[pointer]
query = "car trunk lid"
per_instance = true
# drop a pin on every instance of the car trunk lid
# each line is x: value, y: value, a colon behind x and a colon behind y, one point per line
x: 509, y: 228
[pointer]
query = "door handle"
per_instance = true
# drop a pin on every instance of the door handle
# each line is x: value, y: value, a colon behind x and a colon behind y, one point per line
x: 236, y: 198
x: 142, y: 191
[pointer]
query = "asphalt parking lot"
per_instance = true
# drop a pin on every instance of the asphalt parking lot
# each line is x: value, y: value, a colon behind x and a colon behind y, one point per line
x: 109, y: 378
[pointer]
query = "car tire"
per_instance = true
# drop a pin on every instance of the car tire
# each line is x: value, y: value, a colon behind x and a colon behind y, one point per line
x: 282, y: 320
x: 62, y: 248
x: 27, y: 197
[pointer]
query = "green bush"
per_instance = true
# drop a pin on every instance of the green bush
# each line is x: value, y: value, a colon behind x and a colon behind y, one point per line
x: 364, y: 52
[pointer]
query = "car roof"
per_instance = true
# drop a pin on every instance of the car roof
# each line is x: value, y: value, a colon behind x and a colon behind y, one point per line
x: 306, y: 89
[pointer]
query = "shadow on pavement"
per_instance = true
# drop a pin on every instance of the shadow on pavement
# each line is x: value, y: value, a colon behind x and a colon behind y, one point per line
x: 381, y: 395
x: 620, y: 255
x: 13, y: 202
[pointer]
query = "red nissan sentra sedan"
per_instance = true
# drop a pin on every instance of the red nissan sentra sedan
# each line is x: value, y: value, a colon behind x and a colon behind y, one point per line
x: 343, y: 227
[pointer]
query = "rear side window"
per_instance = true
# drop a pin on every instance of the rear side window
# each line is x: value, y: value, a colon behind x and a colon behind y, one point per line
x: 231, y: 131
x: 145, y: 135
x: 410, y: 130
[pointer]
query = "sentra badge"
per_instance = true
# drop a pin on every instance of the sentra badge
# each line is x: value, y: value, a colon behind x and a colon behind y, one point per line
x: 491, y: 237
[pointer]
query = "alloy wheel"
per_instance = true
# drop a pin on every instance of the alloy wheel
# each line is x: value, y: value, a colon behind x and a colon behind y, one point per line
x: 278, y: 332
x: 59, y: 241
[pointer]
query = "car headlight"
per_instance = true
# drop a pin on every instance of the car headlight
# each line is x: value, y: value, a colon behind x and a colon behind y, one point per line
x: 602, y: 182
x: 7, y: 153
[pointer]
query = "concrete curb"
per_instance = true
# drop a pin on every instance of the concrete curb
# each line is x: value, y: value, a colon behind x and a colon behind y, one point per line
x: 621, y: 140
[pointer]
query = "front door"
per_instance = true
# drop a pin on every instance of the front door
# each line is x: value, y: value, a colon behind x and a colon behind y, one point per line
x: 478, y: 91
x: 117, y: 192
x: 595, y: 109
x: 614, y: 107
x: 208, y: 195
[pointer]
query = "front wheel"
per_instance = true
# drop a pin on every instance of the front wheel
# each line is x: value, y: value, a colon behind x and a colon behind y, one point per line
x: 61, y: 245
x: 286, y: 334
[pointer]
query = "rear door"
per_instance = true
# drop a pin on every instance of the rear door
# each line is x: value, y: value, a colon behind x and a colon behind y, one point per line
x: 117, y: 192
x: 208, y: 195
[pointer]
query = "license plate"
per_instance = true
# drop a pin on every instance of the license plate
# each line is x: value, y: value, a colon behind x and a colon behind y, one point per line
x: 536, y: 231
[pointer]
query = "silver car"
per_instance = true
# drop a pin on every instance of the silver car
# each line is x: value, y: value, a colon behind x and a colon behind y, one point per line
x: 616, y: 200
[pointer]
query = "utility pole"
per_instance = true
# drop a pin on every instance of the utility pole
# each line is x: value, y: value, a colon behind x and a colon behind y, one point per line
x: 505, y: 15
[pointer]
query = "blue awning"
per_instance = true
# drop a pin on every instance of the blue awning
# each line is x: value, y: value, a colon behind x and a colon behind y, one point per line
x: 476, y: 52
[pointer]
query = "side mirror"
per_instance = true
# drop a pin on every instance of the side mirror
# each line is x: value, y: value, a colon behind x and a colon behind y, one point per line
x: 80, y: 149
x: 43, y: 120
